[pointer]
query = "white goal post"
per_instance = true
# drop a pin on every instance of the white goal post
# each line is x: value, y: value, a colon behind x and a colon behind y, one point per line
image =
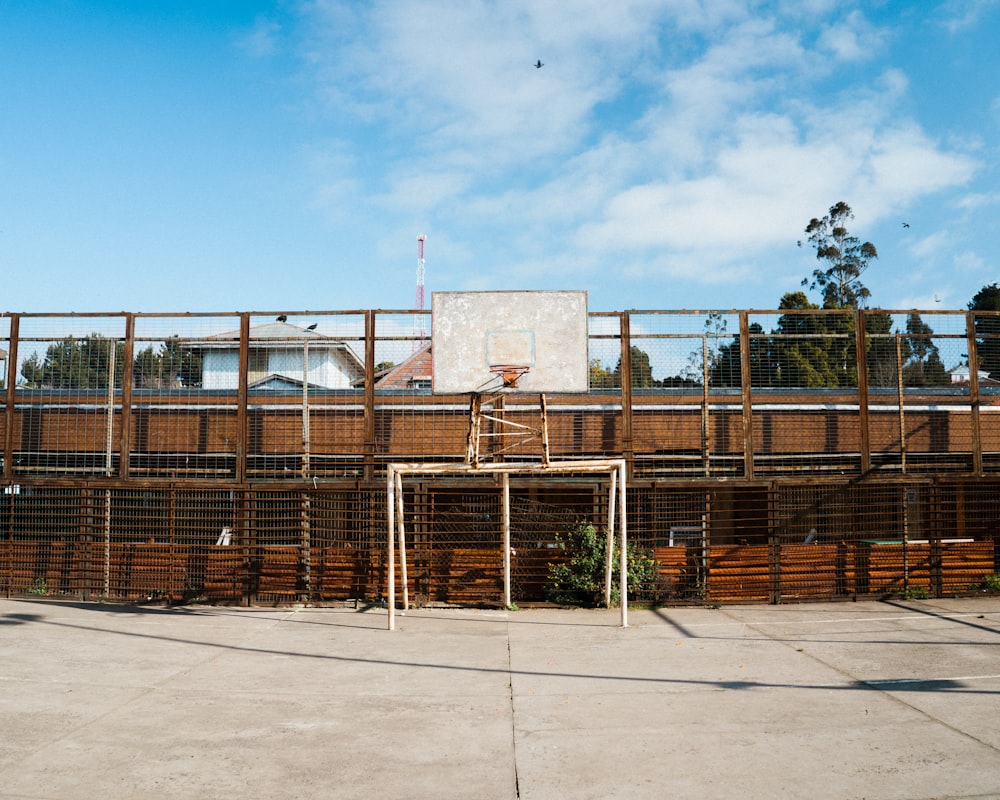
x: 613, y: 468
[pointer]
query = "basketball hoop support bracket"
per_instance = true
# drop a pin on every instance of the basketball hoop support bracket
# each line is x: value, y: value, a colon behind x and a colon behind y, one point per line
x: 506, y: 434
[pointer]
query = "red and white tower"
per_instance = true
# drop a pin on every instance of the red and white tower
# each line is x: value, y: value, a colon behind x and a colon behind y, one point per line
x: 420, y: 273
x: 419, y: 331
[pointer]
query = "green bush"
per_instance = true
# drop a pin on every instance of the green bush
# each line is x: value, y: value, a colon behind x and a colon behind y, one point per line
x: 915, y: 593
x: 989, y: 583
x: 579, y: 580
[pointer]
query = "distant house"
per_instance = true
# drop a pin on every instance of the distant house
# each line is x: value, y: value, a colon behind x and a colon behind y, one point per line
x: 280, y: 356
x: 961, y: 374
x: 415, y: 372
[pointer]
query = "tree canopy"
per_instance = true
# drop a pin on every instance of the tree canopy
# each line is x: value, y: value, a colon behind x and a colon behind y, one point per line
x: 85, y: 363
x: 76, y: 364
x: 844, y: 256
x: 923, y: 365
x: 988, y: 329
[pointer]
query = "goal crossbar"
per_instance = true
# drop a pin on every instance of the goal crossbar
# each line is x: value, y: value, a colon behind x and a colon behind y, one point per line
x: 613, y: 468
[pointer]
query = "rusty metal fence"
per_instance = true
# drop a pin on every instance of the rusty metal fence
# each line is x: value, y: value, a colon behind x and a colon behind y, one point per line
x: 773, y: 456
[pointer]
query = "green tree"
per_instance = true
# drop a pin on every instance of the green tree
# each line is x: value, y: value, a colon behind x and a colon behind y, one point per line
x: 679, y: 382
x: 601, y: 378
x: 146, y: 369
x: 706, y: 356
x: 845, y: 259
x: 76, y: 364
x: 806, y: 356
x: 726, y: 369
x: 170, y: 366
x: 181, y: 361
x: 32, y: 370
x: 880, y: 350
x: 918, y: 337
x: 987, y: 329
x: 642, y: 372
x: 924, y: 367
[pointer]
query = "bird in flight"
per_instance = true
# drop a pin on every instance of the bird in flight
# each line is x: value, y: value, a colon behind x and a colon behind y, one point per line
x: 906, y: 224
x: 539, y: 64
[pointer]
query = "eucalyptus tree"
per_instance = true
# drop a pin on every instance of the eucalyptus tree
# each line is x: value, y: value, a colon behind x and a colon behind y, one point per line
x: 988, y: 329
x: 845, y: 259
x: 925, y: 367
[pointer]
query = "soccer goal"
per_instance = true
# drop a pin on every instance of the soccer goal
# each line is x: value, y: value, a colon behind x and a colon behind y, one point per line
x: 613, y: 469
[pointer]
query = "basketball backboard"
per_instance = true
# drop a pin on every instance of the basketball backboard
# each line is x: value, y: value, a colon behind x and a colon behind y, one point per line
x: 473, y: 333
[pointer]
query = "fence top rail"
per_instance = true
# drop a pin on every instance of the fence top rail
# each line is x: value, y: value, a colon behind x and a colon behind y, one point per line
x: 413, y: 311
x: 198, y: 314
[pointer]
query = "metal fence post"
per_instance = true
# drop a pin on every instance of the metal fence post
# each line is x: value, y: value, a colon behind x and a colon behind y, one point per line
x: 125, y: 423
x: 974, y: 401
x: 8, y: 448
x: 861, y: 356
x: 369, y: 399
x: 242, y: 395
x: 745, y: 384
x: 626, y: 380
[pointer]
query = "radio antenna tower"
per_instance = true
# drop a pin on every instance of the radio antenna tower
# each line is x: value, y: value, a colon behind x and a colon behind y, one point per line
x: 419, y: 332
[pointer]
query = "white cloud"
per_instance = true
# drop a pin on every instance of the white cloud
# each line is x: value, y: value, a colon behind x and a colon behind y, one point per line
x: 976, y: 200
x: 935, y: 299
x: 903, y: 164
x: 968, y: 261
x: 958, y: 15
x: 261, y: 40
x: 763, y: 187
x: 416, y: 191
x: 690, y: 140
x: 853, y: 38
x: 930, y: 246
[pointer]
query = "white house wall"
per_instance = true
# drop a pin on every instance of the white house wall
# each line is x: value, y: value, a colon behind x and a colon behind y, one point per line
x: 323, y: 369
x: 220, y: 368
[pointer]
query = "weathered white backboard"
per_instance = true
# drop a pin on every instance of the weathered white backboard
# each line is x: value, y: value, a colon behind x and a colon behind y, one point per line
x: 544, y: 331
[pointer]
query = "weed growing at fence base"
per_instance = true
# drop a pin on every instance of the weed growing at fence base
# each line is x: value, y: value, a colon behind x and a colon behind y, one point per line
x: 989, y: 583
x: 915, y: 593
x: 579, y: 580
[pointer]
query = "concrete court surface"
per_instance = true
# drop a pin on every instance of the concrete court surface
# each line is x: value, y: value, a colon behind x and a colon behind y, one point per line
x: 835, y: 700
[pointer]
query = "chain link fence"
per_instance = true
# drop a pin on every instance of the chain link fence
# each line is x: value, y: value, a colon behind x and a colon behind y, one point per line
x: 773, y: 455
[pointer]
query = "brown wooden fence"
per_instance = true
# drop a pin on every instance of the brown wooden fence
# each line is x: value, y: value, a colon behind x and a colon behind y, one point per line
x: 132, y: 470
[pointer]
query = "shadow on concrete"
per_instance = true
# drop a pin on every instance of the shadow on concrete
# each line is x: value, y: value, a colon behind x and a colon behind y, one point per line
x: 19, y: 619
x: 915, y: 609
x: 950, y: 686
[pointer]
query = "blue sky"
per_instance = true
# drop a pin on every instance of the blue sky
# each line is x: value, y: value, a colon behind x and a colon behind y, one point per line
x: 215, y: 156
